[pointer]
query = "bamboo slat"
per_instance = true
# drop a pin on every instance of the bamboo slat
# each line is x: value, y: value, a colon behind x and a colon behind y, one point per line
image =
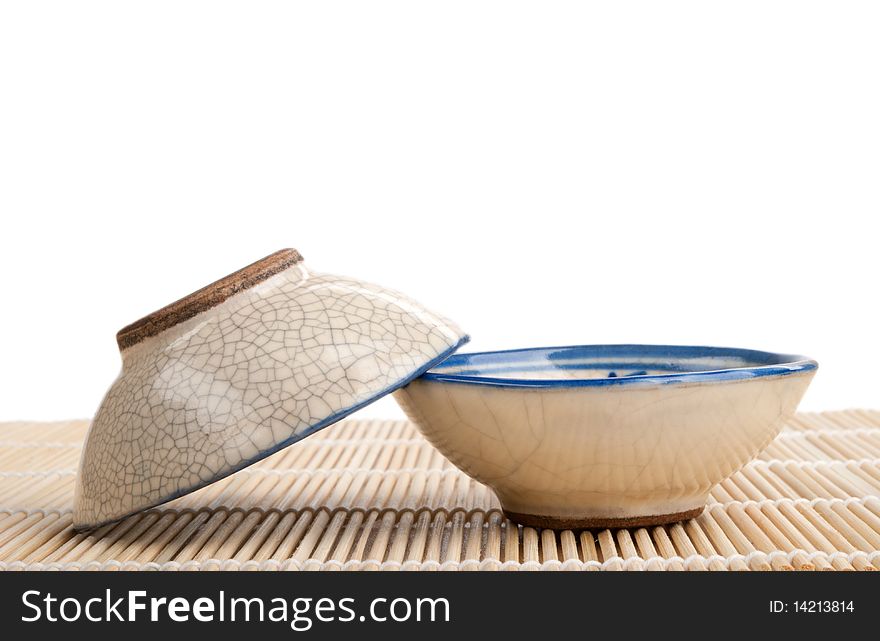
x: 373, y: 495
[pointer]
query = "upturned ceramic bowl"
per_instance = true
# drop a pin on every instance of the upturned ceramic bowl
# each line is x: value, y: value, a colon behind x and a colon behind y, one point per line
x: 605, y: 435
x: 241, y: 368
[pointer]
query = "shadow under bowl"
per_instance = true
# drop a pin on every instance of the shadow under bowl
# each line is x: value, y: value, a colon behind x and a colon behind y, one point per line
x: 599, y: 436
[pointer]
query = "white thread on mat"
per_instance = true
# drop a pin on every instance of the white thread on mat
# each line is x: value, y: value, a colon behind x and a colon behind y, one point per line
x: 35, y: 510
x: 418, y: 440
x: 861, y: 500
x: 311, y: 509
x: 271, y: 471
x: 37, y: 473
x: 37, y: 444
x: 631, y: 563
x: 843, y: 431
x: 812, y: 465
x: 445, y: 471
x: 554, y: 564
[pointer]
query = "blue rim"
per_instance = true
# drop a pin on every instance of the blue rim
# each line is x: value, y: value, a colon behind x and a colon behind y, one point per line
x: 490, y: 367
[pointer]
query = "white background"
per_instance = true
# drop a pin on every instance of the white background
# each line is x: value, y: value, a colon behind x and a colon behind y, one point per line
x: 544, y: 173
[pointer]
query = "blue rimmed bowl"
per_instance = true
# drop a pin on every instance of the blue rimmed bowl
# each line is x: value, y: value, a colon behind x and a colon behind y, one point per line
x: 605, y: 435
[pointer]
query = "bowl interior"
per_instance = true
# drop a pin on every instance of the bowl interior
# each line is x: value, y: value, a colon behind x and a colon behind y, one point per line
x: 606, y: 363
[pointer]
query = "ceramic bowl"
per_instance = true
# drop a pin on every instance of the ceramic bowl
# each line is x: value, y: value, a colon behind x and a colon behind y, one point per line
x: 605, y: 435
x: 241, y: 368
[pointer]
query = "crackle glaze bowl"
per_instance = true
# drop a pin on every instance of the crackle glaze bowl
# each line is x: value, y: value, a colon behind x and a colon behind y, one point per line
x: 605, y: 435
x: 240, y: 369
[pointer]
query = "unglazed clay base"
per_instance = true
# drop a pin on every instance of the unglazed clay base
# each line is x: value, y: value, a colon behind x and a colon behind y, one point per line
x: 567, y: 523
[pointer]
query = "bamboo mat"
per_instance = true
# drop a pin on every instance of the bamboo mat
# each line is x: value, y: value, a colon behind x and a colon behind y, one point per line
x: 375, y: 495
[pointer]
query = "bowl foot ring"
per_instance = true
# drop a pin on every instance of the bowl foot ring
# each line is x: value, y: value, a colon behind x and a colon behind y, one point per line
x: 567, y: 523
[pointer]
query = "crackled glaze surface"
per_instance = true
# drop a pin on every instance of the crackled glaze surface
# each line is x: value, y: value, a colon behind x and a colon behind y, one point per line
x: 618, y: 454
x: 256, y: 372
